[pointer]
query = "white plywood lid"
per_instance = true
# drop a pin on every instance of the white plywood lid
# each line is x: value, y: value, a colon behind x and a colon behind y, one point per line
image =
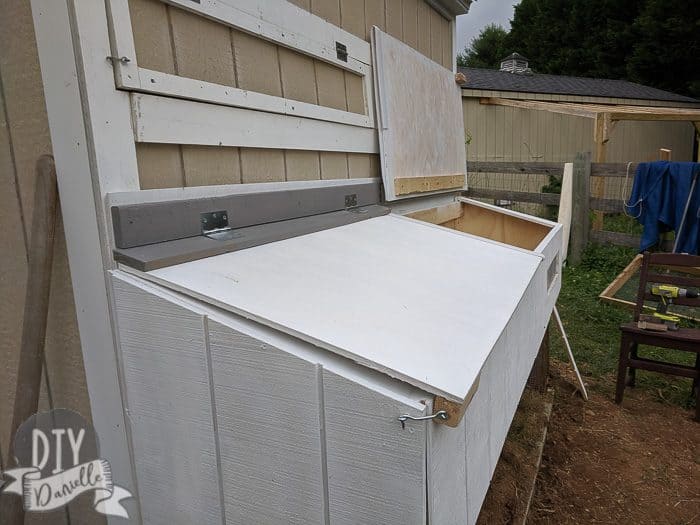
x: 417, y: 302
x: 421, y: 129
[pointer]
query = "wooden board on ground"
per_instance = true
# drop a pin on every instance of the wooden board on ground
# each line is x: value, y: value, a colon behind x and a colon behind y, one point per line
x: 612, y: 294
x: 421, y: 131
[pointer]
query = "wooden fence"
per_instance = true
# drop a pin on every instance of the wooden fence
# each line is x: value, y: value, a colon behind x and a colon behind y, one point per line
x: 585, y: 172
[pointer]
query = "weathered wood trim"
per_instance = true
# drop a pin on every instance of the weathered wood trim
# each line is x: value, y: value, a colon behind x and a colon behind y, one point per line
x: 613, y: 169
x: 565, y: 109
x: 407, y: 185
x: 608, y: 295
x: 517, y: 168
x: 518, y: 196
x: 580, y: 221
x: 616, y: 238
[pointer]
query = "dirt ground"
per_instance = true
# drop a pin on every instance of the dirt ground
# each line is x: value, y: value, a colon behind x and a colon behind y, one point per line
x: 639, y: 464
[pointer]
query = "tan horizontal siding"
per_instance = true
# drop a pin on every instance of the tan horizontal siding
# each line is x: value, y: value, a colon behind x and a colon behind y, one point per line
x: 501, y: 133
x: 174, y: 166
x: 172, y: 40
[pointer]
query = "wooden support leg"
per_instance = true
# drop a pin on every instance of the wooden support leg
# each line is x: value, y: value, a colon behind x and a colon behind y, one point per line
x: 696, y: 381
x: 697, y: 389
x: 632, y: 372
x: 622, y: 368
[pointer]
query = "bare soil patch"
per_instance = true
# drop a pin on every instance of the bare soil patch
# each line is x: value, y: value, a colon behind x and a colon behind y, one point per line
x: 602, y: 464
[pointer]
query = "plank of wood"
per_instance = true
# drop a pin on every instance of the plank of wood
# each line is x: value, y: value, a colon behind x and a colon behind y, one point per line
x: 524, y: 168
x: 613, y: 169
x: 421, y: 131
x: 491, y: 223
x: 36, y: 309
x: 565, y: 207
x: 601, y: 137
x: 579, y: 213
x: 616, y: 238
x: 248, y: 282
x: 607, y: 205
x: 174, y: 121
x: 409, y: 185
x: 517, y: 196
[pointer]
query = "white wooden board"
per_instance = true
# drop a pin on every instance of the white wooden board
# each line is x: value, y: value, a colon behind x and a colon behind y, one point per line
x: 419, y: 107
x: 417, y: 302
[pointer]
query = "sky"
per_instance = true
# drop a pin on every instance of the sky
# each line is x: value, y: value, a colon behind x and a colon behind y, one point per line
x: 481, y: 13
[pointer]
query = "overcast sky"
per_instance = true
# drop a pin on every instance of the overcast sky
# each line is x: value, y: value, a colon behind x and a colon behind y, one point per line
x: 481, y: 13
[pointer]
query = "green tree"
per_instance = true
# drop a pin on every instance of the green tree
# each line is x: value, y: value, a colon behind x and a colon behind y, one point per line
x: 666, y: 50
x: 654, y: 42
x: 485, y: 50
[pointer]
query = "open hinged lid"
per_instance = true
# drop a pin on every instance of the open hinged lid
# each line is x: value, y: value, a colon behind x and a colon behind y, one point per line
x: 419, y: 113
x: 417, y: 302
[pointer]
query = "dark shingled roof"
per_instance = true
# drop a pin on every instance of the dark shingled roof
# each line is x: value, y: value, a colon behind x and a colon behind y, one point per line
x: 495, y: 80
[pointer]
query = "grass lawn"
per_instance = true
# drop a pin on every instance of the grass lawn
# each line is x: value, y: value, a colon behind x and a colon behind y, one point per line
x: 592, y: 328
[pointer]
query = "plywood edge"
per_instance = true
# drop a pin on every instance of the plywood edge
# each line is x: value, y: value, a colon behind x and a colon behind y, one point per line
x: 408, y: 185
x: 439, y: 214
x: 455, y: 411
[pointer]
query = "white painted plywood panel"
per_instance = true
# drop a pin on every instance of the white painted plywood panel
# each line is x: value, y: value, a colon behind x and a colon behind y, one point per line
x: 268, y: 414
x: 168, y: 400
x: 430, y: 317
x: 447, y: 474
x: 376, y: 469
x: 419, y: 105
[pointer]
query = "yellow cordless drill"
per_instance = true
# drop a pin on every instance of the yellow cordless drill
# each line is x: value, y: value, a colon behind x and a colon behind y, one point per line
x: 667, y: 293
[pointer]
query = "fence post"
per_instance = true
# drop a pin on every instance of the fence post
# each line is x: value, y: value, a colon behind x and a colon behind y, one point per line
x: 581, y: 194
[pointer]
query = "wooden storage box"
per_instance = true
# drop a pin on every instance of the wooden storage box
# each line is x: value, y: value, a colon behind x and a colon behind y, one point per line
x: 266, y: 385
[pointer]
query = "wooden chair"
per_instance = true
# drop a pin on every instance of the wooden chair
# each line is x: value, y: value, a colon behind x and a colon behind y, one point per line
x: 685, y: 339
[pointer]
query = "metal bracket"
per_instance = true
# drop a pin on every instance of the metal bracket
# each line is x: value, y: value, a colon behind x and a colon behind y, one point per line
x: 214, y: 221
x: 442, y: 415
x: 123, y: 60
x: 341, y: 51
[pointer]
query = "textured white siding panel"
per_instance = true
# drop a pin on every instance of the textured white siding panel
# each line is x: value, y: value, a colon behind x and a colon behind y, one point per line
x: 166, y: 377
x: 267, y: 405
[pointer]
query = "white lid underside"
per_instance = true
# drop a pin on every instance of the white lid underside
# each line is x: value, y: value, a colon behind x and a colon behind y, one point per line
x: 420, y: 303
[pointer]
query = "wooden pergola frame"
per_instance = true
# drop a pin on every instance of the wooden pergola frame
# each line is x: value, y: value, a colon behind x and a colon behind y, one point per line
x: 605, y: 116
